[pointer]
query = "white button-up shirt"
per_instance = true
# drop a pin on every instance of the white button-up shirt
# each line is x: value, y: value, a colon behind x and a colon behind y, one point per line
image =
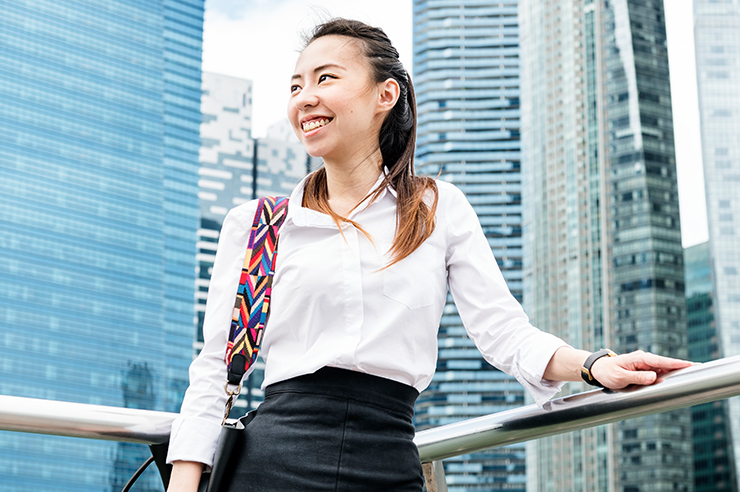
x: 333, y: 304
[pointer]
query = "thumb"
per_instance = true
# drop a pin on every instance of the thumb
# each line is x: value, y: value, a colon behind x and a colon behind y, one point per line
x: 641, y: 377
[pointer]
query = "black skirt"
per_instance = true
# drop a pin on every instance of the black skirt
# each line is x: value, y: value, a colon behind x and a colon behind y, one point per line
x: 334, y: 430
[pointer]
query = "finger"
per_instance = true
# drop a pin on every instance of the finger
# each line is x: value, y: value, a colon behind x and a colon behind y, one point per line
x: 641, y: 377
x: 667, y: 363
x: 624, y: 378
x: 647, y: 361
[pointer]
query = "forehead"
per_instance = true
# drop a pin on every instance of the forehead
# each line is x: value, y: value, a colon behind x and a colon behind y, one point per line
x: 332, y: 49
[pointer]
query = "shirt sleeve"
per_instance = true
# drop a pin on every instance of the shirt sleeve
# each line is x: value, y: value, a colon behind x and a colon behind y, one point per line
x: 195, y: 432
x: 493, y: 318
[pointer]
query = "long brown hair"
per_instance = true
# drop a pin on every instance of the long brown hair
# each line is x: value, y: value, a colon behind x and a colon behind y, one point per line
x: 397, y: 140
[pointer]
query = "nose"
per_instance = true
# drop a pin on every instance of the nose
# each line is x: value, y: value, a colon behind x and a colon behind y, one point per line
x: 306, y: 98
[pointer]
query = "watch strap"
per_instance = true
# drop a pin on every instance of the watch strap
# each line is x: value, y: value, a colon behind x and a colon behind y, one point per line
x: 586, y: 369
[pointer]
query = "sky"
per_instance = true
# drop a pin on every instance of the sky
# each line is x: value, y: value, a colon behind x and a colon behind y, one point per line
x: 260, y: 40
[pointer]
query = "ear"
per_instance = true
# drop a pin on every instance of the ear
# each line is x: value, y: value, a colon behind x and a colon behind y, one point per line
x: 388, y: 93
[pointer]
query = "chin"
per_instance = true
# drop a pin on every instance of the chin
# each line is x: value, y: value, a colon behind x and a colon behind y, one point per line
x: 314, y: 149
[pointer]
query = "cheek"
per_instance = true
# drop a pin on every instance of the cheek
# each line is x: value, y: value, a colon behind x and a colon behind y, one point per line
x: 290, y: 110
x: 293, y: 119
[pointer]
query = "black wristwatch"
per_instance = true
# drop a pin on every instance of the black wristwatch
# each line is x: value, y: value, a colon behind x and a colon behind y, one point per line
x: 586, y: 369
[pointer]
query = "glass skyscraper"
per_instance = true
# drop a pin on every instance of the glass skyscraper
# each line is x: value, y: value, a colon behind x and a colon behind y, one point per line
x: 226, y: 176
x: 466, y: 73
x: 717, y: 38
x: 236, y: 168
x: 603, y: 254
x: 99, y: 116
x: 714, y: 467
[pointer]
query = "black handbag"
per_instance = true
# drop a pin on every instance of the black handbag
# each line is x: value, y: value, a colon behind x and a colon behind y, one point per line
x: 232, y: 437
x: 218, y: 479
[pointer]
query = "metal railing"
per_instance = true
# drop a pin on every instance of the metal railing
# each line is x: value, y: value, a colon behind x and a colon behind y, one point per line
x: 701, y: 383
x: 61, y: 418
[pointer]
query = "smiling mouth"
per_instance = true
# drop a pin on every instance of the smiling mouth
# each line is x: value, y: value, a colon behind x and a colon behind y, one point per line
x: 314, y: 124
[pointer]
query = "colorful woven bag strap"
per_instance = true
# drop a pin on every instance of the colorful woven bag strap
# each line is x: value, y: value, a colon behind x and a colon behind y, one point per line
x: 253, y: 295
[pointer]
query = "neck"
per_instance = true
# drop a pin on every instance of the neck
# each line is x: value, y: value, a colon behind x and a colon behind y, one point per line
x: 349, y: 181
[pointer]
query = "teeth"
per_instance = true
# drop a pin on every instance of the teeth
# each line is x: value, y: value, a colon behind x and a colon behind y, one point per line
x: 312, y: 125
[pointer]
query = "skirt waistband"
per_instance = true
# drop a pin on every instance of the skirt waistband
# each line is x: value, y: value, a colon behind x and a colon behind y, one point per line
x: 343, y: 383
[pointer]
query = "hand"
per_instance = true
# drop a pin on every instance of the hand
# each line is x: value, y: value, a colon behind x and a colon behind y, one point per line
x: 636, y: 367
x: 185, y: 476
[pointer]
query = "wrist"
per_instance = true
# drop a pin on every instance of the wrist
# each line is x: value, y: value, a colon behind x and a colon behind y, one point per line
x: 586, y: 369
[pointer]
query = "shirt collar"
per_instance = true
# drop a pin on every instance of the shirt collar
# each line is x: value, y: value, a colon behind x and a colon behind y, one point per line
x: 388, y: 188
x: 302, y: 216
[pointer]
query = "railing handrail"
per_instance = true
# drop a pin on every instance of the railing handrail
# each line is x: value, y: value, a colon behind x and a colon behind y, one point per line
x: 61, y: 418
x: 701, y: 383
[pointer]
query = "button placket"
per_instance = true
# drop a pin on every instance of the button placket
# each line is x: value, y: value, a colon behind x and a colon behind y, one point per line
x: 353, y: 301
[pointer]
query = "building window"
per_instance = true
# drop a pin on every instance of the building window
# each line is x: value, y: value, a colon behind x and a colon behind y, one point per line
x: 630, y: 434
x: 716, y: 62
x: 718, y: 74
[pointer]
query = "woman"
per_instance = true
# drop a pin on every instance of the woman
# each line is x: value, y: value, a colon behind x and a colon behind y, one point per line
x: 367, y: 253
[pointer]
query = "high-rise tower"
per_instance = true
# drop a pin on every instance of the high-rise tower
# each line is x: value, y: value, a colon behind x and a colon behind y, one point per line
x: 466, y: 73
x: 714, y: 467
x: 226, y: 170
x: 235, y: 168
x: 99, y: 117
x: 716, y: 28
x: 603, y: 255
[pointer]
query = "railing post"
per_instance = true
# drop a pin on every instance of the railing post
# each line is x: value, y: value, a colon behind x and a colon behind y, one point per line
x: 434, y: 476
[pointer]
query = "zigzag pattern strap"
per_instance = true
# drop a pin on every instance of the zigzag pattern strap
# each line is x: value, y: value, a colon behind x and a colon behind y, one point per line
x: 253, y: 295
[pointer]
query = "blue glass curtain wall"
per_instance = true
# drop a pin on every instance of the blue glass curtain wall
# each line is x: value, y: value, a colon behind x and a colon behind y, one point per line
x: 98, y: 190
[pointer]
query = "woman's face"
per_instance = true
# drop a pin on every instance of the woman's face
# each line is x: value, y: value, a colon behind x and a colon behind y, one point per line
x: 335, y: 107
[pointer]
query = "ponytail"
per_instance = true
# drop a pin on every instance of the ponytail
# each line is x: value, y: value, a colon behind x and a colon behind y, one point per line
x: 414, y: 211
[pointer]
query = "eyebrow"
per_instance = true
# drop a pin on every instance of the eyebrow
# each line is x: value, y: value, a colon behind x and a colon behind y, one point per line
x: 319, y: 69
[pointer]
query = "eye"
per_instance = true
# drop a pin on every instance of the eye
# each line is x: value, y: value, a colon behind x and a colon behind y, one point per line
x: 294, y: 88
x: 325, y: 76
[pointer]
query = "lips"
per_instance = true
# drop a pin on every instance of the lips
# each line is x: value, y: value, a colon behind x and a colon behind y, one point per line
x: 314, y: 123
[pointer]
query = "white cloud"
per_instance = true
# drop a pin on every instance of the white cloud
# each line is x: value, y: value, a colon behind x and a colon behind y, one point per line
x: 260, y: 41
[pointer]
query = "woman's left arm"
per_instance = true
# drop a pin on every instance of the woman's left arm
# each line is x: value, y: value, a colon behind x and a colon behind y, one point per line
x: 612, y: 372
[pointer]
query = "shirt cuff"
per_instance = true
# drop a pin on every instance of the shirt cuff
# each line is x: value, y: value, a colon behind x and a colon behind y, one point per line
x: 532, y: 378
x: 193, y: 439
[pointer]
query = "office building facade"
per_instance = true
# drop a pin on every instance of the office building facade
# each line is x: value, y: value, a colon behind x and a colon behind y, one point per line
x: 716, y: 28
x: 466, y: 74
x: 714, y: 467
x: 99, y: 116
x: 234, y: 169
x: 603, y: 255
x: 225, y: 172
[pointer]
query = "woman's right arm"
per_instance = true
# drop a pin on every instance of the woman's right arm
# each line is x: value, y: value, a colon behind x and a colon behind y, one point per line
x: 185, y: 476
x: 196, y: 430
